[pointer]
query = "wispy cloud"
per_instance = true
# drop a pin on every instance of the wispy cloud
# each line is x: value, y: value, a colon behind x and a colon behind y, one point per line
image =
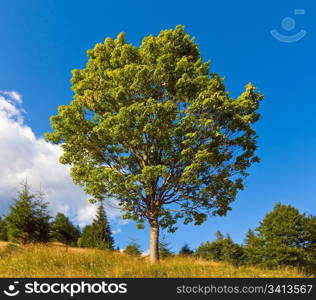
x: 17, y: 97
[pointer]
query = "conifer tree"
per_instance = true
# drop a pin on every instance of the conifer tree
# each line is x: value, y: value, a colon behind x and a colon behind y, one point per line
x: 186, y: 250
x: 164, y: 249
x: 42, y: 217
x: 98, y: 234
x: 3, y: 230
x: 86, y: 239
x: 28, y: 220
x: 101, y: 230
x: 253, y: 248
x: 64, y: 231
x: 222, y: 249
x: 284, y: 236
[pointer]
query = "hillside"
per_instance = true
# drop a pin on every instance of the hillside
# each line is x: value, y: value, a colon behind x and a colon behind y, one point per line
x: 55, y: 260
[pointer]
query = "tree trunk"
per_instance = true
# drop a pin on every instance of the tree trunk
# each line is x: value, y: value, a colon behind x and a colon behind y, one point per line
x: 154, y: 242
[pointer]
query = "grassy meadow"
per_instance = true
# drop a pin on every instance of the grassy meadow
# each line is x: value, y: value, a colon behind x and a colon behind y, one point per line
x: 56, y: 260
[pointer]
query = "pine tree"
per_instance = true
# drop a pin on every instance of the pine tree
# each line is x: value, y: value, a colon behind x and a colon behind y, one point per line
x: 98, y: 235
x: 62, y: 230
x: 253, y: 248
x: 222, y: 249
x: 232, y: 252
x: 284, y: 237
x: 164, y: 250
x: 42, y: 217
x: 28, y: 218
x: 101, y: 230
x: 3, y: 230
x: 186, y: 250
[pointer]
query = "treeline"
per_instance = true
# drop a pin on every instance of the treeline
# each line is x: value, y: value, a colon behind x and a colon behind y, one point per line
x: 285, y: 237
x: 29, y: 222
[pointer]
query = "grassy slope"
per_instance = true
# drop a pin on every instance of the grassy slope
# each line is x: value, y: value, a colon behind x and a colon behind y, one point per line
x: 55, y: 260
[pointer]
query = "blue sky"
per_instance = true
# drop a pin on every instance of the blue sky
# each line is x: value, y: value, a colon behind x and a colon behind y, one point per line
x: 41, y: 41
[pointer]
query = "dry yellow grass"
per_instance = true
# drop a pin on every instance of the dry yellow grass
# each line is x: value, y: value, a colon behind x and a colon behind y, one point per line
x: 55, y: 260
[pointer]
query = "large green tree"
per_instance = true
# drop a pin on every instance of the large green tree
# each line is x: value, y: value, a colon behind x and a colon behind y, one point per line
x: 285, y: 236
x: 151, y: 127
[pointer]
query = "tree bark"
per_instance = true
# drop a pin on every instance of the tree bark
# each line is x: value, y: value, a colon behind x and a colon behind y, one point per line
x: 154, y: 242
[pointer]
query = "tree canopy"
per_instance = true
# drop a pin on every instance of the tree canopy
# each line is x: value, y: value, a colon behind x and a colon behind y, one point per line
x: 153, y: 128
x: 284, y: 236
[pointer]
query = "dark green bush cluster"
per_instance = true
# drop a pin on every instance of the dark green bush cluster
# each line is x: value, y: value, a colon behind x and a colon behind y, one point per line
x: 222, y: 249
x: 133, y: 249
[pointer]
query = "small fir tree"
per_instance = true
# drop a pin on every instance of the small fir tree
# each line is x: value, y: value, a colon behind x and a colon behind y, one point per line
x: 186, y: 250
x: 101, y: 230
x: 133, y: 249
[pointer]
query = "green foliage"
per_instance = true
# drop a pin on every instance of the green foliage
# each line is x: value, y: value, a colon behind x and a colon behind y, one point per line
x: 28, y: 220
x: 232, y: 252
x: 253, y: 248
x: 42, y: 218
x: 101, y: 230
x: 151, y: 126
x: 186, y: 250
x: 86, y: 239
x: 62, y: 230
x: 133, y: 249
x: 98, y: 235
x: 222, y: 249
x: 164, y: 249
x: 284, y: 237
x: 3, y: 230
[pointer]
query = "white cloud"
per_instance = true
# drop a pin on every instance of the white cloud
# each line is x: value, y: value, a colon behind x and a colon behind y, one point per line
x: 86, y: 214
x: 116, y: 231
x: 146, y: 252
x: 17, y: 97
x: 23, y: 155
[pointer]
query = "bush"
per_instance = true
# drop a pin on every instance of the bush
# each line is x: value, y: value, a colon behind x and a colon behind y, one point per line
x: 222, y: 249
x: 133, y: 249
